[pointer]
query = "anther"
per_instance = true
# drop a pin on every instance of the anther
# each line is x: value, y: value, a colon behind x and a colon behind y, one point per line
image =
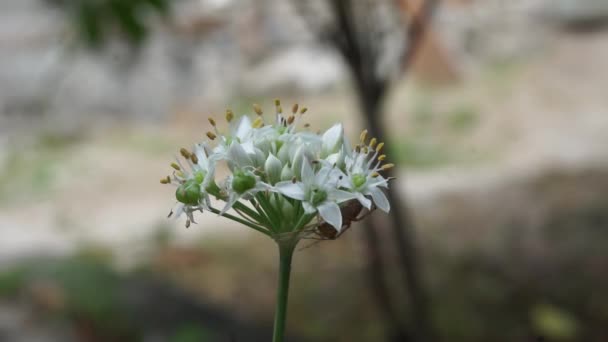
x: 375, y: 174
x: 277, y: 102
x: 373, y: 142
x: 306, y: 125
x: 165, y: 180
x: 382, y: 157
x: 303, y: 110
x: 229, y: 115
x: 379, y: 147
x: 294, y: 109
x: 290, y: 119
x: 212, y: 122
x: 363, y: 136
x: 358, y: 149
x: 175, y: 166
x: 387, y: 166
x: 194, y: 158
x: 187, y: 223
x: 257, y: 109
x: 185, y: 153
x: 257, y: 123
x: 211, y: 135
x: 294, y: 180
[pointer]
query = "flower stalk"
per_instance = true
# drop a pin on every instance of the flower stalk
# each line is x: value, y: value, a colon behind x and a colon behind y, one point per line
x: 286, y: 250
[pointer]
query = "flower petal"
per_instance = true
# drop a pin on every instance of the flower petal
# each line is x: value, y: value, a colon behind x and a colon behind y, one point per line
x: 291, y: 190
x: 380, y: 199
x: 364, y: 200
x: 340, y: 195
x: 243, y: 128
x: 330, y: 212
x: 238, y: 155
x: 308, y: 208
x: 308, y: 176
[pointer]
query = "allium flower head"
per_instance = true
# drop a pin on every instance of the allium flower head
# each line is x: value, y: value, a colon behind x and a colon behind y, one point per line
x: 281, y: 180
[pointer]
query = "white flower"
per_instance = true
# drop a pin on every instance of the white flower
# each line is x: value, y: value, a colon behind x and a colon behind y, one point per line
x: 362, y: 177
x: 192, y: 182
x: 318, y: 193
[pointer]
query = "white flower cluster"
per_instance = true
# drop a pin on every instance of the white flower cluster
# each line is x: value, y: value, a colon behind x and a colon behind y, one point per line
x: 281, y: 180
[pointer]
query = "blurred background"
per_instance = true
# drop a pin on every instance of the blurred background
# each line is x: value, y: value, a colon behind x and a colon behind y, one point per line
x: 495, y: 112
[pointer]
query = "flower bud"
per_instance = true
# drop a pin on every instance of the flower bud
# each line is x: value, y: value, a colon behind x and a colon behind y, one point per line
x: 273, y: 169
x: 332, y: 140
x: 286, y: 173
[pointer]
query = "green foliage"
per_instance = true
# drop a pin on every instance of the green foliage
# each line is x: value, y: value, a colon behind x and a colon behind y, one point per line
x: 193, y: 332
x: 95, y: 21
x: 12, y: 281
x: 553, y: 322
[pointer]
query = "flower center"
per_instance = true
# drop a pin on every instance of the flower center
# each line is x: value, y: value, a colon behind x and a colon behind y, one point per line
x: 242, y: 181
x: 318, y: 196
x: 199, y: 177
x: 189, y: 192
x: 359, y: 180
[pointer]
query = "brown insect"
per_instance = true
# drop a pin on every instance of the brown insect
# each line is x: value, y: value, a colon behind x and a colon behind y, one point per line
x: 350, y: 213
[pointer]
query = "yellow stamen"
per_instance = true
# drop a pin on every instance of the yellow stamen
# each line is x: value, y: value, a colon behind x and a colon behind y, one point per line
x: 388, y: 166
x: 290, y: 119
x: 194, y: 158
x: 379, y: 147
x: 373, y: 142
x: 365, y: 150
x: 277, y: 102
x: 175, y: 166
x: 303, y: 110
x: 294, y: 109
x: 165, y: 180
x: 257, y: 123
x: 382, y: 157
x: 229, y: 115
x: 363, y: 136
x: 375, y: 174
x: 211, y: 136
x: 257, y: 109
x: 180, y: 174
x: 212, y: 122
x: 185, y: 153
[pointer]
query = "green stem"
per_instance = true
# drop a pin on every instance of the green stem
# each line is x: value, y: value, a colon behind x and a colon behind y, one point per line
x: 286, y: 249
x: 241, y: 221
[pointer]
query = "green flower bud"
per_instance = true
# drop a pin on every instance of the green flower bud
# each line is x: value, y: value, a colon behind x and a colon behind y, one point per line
x: 242, y: 181
x: 189, y: 192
